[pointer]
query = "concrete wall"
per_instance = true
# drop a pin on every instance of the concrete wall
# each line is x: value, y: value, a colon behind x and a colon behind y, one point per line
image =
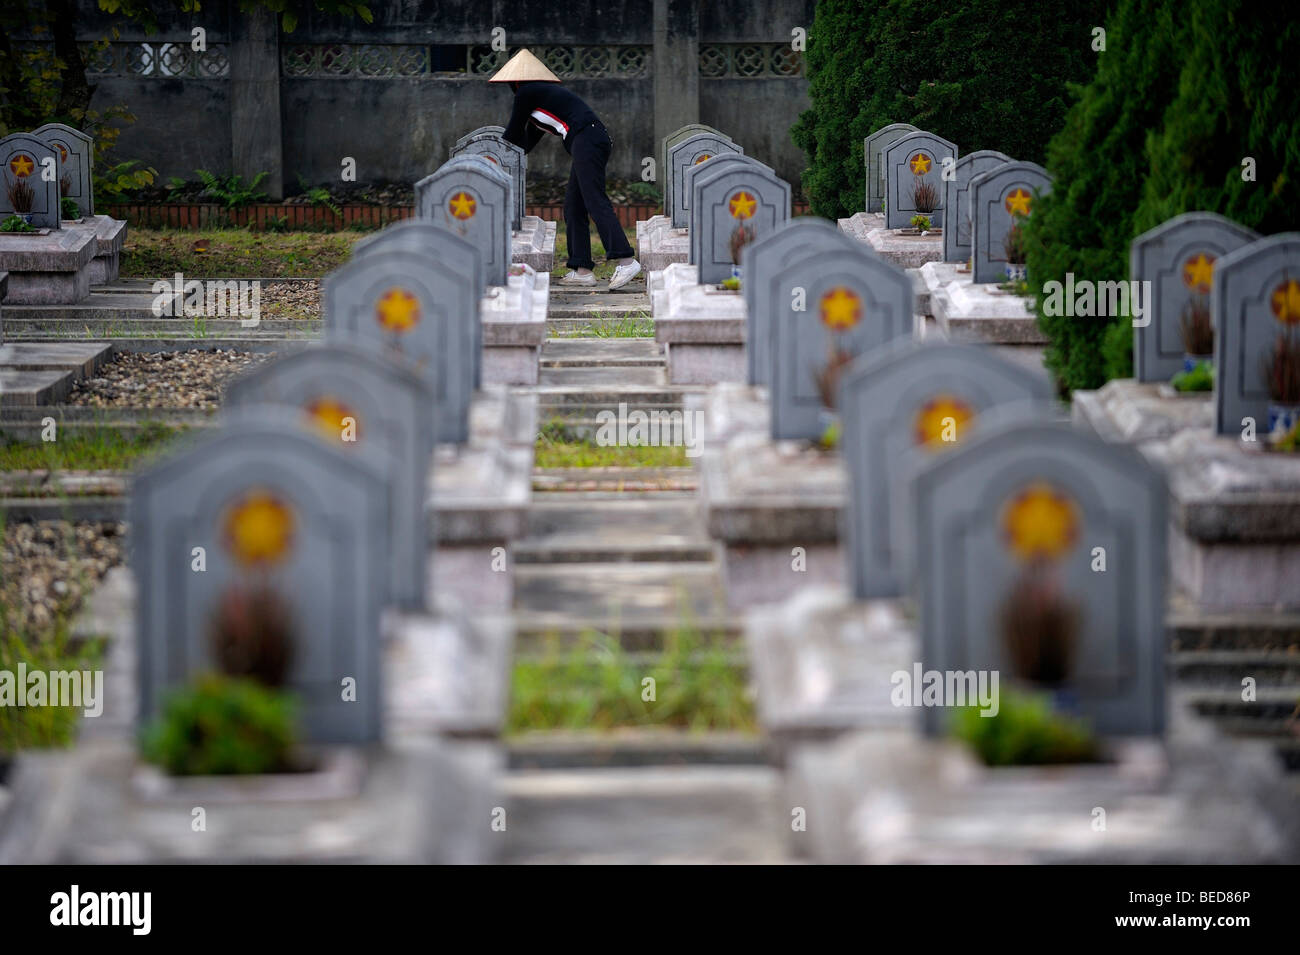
x: 399, y: 128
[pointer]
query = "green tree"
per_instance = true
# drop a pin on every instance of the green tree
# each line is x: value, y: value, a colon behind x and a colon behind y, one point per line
x: 990, y: 74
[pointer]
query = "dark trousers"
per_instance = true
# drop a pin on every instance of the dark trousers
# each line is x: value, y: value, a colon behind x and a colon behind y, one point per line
x: 585, y: 196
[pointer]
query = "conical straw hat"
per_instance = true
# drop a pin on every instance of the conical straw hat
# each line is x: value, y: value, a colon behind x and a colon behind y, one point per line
x: 523, y: 68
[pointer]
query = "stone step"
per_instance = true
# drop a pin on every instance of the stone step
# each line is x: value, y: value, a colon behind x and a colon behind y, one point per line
x: 63, y: 328
x: 28, y: 388
x: 1224, y: 668
x: 614, y: 593
x: 1273, y: 707
x: 672, y: 518
x: 646, y: 815
x: 593, y: 378
x: 1191, y: 629
x: 607, y: 352
x: 535, y: 632
x: 614, y: 531
x: 614, y: 479
x: 82, y: 359
x: 633, y: 748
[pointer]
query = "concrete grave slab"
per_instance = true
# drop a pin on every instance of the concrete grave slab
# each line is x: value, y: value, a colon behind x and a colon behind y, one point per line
x: 514, y: 326
x: 905, y: 251
x: 702, y: 327
x: 49, y: 269
x: 533, y: 244
x: 966, y: 311
x: 659, y: 245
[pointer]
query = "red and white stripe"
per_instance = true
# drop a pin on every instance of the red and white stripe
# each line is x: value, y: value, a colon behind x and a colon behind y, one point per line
x: 550, y: 122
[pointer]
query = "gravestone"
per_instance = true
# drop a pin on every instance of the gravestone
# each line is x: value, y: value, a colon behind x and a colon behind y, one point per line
x: 274, y: 510
x: 696, y: 172
x: 853, y: 301
x: 471, y: 198
x: 1030, y: 522
x: 692, y: 151
x: 872, y: 147
x: 509, y: 157
x: 1177, y: 257
x: 1255, y: 302
x: 908, y: 163
x: 76, y: 161
x: 481, y: 131
x: 423, y: 237
x: 735, y: 196
x: 664, y: 175
x: 765, y: 300
x: 956, y: 199
x: 364, y: 404
x: 900, y: 403
x: 421, y: 303
x: 997, y: 198
x: 24, y: 159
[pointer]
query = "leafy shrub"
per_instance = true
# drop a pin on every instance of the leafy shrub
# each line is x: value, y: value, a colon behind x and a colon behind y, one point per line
x: 223, y: 726
x: 1181, y: 95
x: 1025, y: 732
x: 69, y: 209
x: 231, y: 191
x: 986, y: 74
x: 1200, y: 378
x: 15, y: 223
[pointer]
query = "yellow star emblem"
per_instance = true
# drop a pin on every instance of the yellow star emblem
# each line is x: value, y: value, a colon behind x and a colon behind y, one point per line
x: 258, y: 529
x: 1040, y: 523
x: 1018, y: 202
x: 742, y: 205
x: 329, y: 417
x: 22, y: 165
x: 462, y: 205
x: 920, y: 164
x: 397, y: 310
x: 932, y: 424
x: 703, y: 158
x: 841, y: 309
x: 63, y: 152
x: 1198, y: 272
x: 1286, y: 302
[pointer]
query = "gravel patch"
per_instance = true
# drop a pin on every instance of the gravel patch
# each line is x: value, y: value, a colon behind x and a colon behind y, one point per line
x: 300, y: 299
x: 51, y: 567
x: 180, y: 379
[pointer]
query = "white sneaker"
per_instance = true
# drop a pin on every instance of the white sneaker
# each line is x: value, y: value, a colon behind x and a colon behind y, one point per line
x: 624, y: 274
x: 573, y: 277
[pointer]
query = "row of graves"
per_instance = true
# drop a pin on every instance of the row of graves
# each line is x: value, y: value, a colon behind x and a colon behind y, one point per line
x: 63, y: 277
x: 904, y: 510
x: 340, y: 533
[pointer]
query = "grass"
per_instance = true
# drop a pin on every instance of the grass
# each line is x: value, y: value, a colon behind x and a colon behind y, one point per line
x: 638, y: 325
x: 599, y: 686
x: 92, y: 449
x: 235, y: 253
x: 603, y: 270
x: 556, y: 448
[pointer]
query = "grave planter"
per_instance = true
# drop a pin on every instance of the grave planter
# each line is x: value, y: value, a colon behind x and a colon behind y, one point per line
x: 1191, y: 362
x: 1282, y: 418
x: 334, y: 772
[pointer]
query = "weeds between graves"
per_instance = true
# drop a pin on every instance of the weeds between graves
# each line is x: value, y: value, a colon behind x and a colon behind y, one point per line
x: 638, y: 325
x: 94, y: 449
x: 557, y: 447
x: 598, y: 685
x: 235, y: 253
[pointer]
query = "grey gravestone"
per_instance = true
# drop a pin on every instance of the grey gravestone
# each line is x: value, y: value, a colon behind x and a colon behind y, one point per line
x: 471, y: 198
x: 1255, y: 300
x: 1177, y: 257
x: 872, y: 147
x: 695, y: 172
x: 76, y: 162
x: 663, y: 176
x: 914, y: 159
x: 1038, y: 494
x: 765, y: 301
x: 272, y: 507
x: 735, y: 196
x: 481, y: 131
x: 956, y: 200
x: 422, y: 236
x: 994, y: 197
x: 901, y: 397
x: 853, y: 301
x: 509, y: 157
x: 388, y: 405
x: 23, y: 157
x: 692, y: 151
x: 420, y: 303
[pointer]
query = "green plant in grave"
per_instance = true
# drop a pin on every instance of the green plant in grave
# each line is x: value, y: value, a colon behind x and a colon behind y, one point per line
x: 921, y: 222
x: 231, y: 191
x: 15, y: 223
x: 1200, y: 378
x: 645, y: 192
x: 1026, y: 731
x: 69, y: 209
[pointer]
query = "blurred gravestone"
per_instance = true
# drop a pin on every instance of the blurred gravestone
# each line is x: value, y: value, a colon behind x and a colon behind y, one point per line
x: 509, y: 157
x: 692, y: 151
x: 903, y: 396
x: 998, y: 199
x: 481, y: 131
x: 956, y: 199
x: 1041, y: 555
x: 872, y: 147
x: 363, y: 403
x: 913, y: 164
x: 290, y: 529
x: 1177, y: 257
x: 672, y: 139
x: 473, y: 199
x: 76, y: 161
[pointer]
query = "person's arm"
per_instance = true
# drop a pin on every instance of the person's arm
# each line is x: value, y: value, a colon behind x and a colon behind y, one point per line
x: 519, y: 130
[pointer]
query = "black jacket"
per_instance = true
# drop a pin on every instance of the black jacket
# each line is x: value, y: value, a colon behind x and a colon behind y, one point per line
x: 541, y: 108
